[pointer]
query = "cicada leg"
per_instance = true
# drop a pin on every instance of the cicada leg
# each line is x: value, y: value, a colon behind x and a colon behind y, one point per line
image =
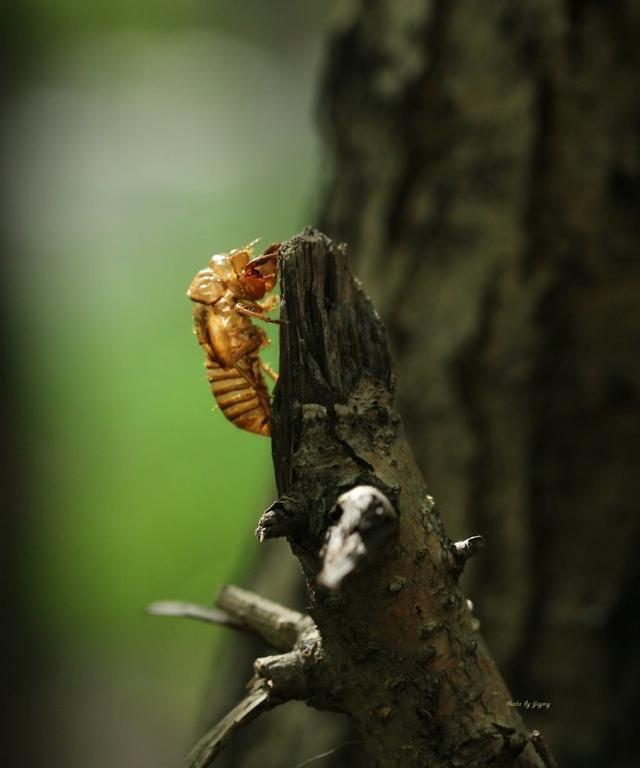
x: 256, y: 311
x: 269, y: 370
x: 270, y: 303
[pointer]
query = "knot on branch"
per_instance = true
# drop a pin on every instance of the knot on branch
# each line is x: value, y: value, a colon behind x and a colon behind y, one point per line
x: 282, y: 518
x: 365, y: 521
x: 462, y: 550
x: 304, y: 673
x: 294, y: 675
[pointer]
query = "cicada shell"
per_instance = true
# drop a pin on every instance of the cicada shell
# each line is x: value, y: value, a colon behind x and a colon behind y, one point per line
x: 228, y: 294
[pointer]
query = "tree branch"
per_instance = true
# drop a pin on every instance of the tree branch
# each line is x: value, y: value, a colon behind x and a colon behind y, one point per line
x: 278, y: 678
x: 278, y: 626
x: 181, y: 610
x: 257, y: 701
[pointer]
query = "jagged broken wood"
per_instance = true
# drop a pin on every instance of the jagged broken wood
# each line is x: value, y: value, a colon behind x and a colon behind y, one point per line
x: 391, y: 640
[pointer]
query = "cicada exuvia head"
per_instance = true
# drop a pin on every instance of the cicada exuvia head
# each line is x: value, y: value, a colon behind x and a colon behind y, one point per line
x: 260, y: 274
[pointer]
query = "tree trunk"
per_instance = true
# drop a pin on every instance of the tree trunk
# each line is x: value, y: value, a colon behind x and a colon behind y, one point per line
x: 486, y: 174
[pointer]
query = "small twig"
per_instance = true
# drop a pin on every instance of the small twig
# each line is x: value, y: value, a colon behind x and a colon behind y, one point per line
x: 279, y: 678
x: 182, y: 610
x: 257, y: 701
x: 245, y: 611
x: 281, y: 518
x: 461, y: 551
x: 468, y: 547
x: 278, y: 626
x: 536, y: 738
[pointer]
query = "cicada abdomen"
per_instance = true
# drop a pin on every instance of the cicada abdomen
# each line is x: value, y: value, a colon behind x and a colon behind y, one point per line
x: 243, y: 404
x: 243, y: 399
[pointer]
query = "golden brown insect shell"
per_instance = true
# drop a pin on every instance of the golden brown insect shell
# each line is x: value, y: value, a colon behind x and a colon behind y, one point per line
x: 225, y: 294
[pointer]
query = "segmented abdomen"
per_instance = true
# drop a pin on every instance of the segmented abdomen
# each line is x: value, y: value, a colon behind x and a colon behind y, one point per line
x: 240, y: 401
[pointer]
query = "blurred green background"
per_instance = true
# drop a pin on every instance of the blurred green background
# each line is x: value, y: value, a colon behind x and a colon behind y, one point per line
x: 138, y: 139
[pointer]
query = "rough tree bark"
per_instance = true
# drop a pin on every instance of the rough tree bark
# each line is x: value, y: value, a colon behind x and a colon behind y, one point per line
x: 486, y: 174
x: 392, y: 641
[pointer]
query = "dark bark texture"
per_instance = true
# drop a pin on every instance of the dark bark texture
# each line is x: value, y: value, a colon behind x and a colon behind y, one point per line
x: 400, y: 649
x: 486, y: 175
